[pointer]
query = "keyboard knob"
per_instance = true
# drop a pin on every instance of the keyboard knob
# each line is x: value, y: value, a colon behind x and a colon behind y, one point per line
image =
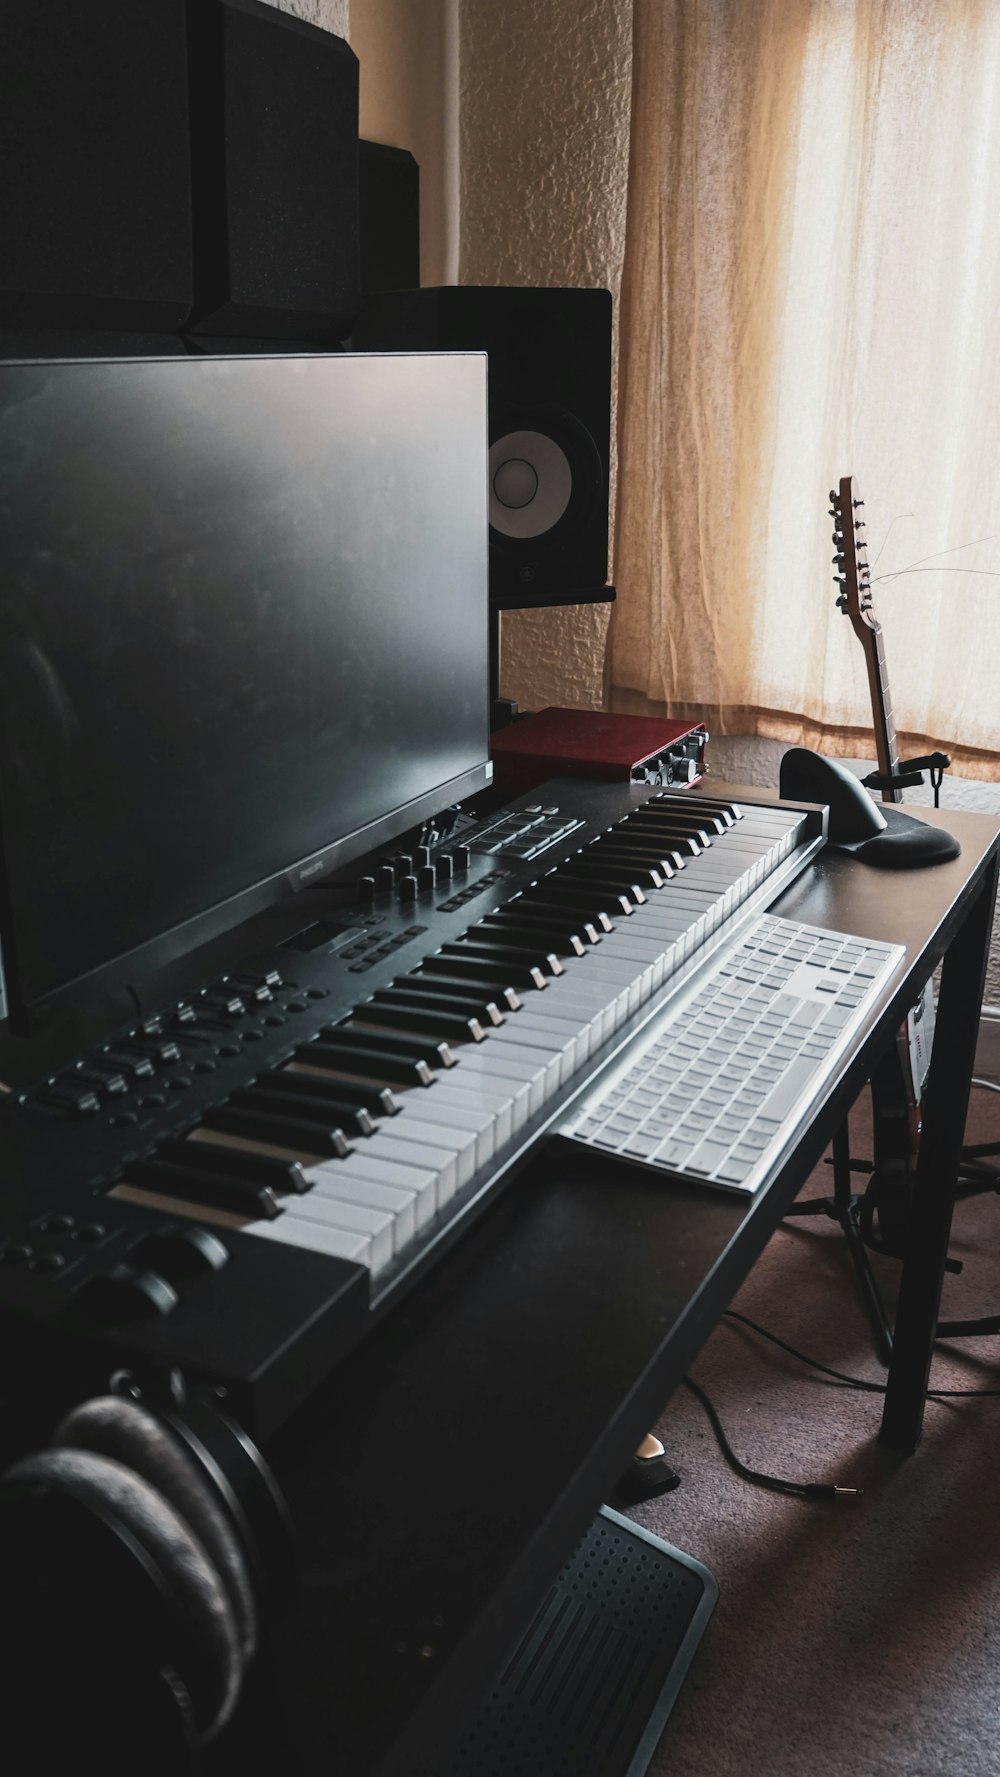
x: 125, y: 1294
x: 385, y: 879
x: 408, y: 890
x: 181, y: 1252
x: 461, y: 855
x: 444, y: 867
x: 426, y: 878
x: 366, y: 890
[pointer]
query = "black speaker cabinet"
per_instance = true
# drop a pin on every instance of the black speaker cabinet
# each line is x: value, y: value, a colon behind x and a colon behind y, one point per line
x: 95, y: 177
x: 389, y: 216
x: 169, y: 164
x: 549, y: 420
x: 274, y: 113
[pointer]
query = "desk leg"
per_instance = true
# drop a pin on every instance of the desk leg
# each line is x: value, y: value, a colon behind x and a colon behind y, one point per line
x: 945, y: 1108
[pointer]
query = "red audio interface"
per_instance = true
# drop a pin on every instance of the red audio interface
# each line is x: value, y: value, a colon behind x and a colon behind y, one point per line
x: 590, y: 743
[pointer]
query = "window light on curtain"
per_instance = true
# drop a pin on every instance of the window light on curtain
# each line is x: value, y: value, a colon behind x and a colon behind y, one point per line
x: 812, y: 289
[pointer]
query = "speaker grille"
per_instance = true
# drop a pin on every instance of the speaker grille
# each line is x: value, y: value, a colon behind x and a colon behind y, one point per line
x: 274, y: 108
x: 95, y: 196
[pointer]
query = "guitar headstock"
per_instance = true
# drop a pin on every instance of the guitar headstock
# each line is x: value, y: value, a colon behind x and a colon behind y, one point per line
x: 853, y: 575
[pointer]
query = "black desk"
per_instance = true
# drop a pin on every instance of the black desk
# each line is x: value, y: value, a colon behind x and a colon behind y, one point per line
x: 446, y: 1472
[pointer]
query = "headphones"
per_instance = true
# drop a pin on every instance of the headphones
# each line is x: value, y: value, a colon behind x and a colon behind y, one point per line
x: 141, y: 1553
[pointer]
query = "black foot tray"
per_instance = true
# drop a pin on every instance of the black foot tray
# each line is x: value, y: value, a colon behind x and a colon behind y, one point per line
x: 590, y: 1687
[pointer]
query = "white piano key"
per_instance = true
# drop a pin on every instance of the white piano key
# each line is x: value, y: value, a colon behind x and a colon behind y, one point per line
x: 343, y: 1217
x: 554, y: 1019
x: 485, y: 1062
x: 401, y: 1204
x: 458, y: 1114
x: 336, y: 1243
x: 362, y: 1166
x: 413, y: 1130
x: 506, y: 1102
x: 610, y: 1004
x: 590, y: 1011
x: 559, y: 1050
x: 385, y: 1145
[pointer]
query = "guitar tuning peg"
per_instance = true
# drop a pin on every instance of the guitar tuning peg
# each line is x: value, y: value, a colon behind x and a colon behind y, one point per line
x: 859, y: 524
x: 840, y: 579
x: 834, y: 499
x: 842, y: 602
x: 857, y: 502
x: 838, y: 561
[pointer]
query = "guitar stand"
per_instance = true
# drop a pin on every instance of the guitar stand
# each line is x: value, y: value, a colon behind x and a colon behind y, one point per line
x: 974, y: 1179
x: 845, y: 1207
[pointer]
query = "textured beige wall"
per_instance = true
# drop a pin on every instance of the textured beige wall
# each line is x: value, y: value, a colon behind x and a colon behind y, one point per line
x: 329, y: 15
x: 544, y: 115
x: 408, y: 55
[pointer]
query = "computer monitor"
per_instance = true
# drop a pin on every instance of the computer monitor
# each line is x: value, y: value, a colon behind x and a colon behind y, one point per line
x: 243, y: 639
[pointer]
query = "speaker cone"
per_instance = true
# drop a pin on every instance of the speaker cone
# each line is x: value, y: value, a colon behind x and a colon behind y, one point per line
x: 544, y: 476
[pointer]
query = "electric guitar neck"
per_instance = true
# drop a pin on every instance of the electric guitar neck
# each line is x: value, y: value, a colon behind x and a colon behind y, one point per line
x: 855, y: 599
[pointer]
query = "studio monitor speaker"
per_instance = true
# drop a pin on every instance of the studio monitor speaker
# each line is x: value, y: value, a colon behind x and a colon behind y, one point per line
x: 274, y: 148
x: 389, y: 217
x: 95, y: 175
x: 549, y: 422
x: 177, y: 164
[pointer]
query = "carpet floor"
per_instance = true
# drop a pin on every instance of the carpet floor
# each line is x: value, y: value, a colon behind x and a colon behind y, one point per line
x: 859, y: 1638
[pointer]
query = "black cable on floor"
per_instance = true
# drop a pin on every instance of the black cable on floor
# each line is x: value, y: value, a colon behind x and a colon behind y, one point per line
x: 778, y: 1484
x: 845, y: 1381
x: 773, y: 1483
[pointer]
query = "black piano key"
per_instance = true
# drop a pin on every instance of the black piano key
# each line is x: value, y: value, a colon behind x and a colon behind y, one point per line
x: 601, y: 922
x: 479, y: 968
x: 462, y: 983
x: 340, y: 1104
x: 296, y: 1133
x: 706, y: 826
x: 682, y: 849
x: 271, y: 1101
x: 502, y: 946
x: 545, y: 920
x: 238, y: 1196
x: 380, y: 1100
x: 452, y: 994
x: 662, y: 854
x: 447, y: 1026
x: 375, y: 1062
x: 667, y: 864
x: 263, y: 1169
x: 555, y: 932
x: 716, y: 806
x: 633, y: 854
x: 436, y: 1054
x: 552, y: 891
x: 632, y: 879
x: 691, y: 836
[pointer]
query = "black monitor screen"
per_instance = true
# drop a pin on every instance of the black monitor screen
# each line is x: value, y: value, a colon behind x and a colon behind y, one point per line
x: 243, y: 637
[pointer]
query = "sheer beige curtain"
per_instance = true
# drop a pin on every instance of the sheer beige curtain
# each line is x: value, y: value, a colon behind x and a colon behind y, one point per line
x: 812, y: 289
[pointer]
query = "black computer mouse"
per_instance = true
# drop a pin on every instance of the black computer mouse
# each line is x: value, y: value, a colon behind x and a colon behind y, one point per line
x: 806, y: 777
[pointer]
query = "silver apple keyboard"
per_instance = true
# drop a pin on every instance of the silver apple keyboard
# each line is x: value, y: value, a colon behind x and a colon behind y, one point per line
x: 726, y: 1074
